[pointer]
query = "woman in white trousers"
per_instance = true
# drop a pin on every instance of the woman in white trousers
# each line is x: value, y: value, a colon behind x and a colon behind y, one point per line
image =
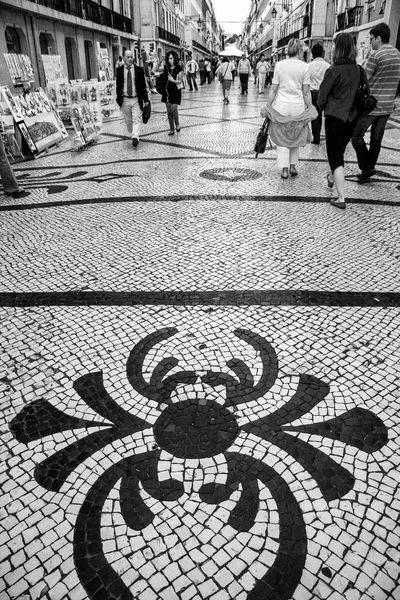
x: 290, y: 95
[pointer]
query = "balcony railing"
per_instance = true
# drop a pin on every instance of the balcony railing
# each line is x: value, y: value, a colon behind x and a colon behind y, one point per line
x: 285, y: 40
x: 354, y: 16
x: 168, y: 37
x: 91, y: 11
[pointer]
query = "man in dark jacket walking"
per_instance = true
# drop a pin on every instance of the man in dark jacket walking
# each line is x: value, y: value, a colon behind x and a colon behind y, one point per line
x: 131, y: 95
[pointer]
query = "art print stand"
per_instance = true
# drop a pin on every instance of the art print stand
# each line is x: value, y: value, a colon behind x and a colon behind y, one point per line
x: 37, y: 120
x: 20, y: 68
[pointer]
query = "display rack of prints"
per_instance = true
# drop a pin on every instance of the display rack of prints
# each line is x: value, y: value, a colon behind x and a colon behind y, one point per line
x: 36, y: 118
x: 20, y: 68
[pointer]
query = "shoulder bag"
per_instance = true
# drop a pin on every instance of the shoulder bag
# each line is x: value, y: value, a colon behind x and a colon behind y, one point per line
x: 221, y: 78
x: 364, y: 101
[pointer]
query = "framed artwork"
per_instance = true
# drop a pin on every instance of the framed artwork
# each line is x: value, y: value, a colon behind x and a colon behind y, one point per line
x: 27, y: 137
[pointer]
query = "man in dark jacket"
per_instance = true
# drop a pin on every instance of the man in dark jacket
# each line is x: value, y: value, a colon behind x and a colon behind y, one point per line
x: 131, y: 95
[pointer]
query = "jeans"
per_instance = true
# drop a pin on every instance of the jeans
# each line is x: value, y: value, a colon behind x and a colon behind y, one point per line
x: 244, y: 81
x: 191, y: 79
x: 316, y: 125
x: 368, y: 157
x: 10, y: 184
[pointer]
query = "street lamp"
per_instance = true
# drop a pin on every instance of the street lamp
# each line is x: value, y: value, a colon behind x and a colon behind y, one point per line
x: 273, y: 13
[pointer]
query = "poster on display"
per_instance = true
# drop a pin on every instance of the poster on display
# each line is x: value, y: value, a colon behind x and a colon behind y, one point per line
x: 103, y: 63
x: 19, y: 67
x: 6, y: 118
x: 53, y: 67
x: 13, y: 106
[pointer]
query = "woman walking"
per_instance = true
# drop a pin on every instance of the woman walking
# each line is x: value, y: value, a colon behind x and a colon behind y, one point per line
x: 170, y: 86
x: 290, y: 96
x: 336, y: 98
x: 225, y: 72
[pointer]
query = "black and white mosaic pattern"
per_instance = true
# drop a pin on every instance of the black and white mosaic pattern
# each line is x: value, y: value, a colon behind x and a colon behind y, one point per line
x: 199, y: 370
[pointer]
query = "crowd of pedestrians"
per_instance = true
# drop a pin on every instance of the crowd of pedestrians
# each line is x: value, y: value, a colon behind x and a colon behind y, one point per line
x: 299, y: 93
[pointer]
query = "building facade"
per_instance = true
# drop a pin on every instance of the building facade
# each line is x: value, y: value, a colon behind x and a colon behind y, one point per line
x: 271, y: 24
x: 88, y: 35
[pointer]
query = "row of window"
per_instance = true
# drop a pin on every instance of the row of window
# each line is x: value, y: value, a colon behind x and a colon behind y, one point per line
x: 16, y: 44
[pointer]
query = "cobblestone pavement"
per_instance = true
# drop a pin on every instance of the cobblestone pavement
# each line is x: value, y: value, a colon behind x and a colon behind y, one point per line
x: 199, y: 369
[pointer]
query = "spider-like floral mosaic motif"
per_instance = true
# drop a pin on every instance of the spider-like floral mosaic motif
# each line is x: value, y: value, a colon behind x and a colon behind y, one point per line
x: 192, y: 429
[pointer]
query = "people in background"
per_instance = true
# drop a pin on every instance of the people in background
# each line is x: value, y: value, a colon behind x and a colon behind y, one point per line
x: 383, y: 71
x: 192, y: 69
x: 336, y: 98
x: 317, y: 67
x: 244, y: 69
x: 225, y: 71
x: 262, y: 73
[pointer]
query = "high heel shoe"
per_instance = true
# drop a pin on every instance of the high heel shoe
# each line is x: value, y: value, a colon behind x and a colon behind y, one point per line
x: 293, y: 171
x: 171, y: 132
x: 178, y: 129
x: 284, y: 174
x: 329, y: 181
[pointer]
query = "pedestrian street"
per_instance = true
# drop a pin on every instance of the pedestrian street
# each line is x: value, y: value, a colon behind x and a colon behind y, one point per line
x: 199, y: 368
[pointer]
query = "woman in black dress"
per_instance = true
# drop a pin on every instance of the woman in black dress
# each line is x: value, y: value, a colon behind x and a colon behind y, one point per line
x: 171, y: 86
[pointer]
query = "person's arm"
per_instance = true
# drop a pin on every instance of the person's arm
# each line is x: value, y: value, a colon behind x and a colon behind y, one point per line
x: 370, y: 66
x: 272, y: 93
x: 325, y: 89
x: 307, y: 95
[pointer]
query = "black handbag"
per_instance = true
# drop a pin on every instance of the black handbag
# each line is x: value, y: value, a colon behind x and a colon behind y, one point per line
x: 146, y: 113
x: 262, y: 138
x: 364, y: 101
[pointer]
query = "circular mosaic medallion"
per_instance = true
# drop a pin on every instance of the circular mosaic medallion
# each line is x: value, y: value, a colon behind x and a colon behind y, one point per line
x: 230, y: 174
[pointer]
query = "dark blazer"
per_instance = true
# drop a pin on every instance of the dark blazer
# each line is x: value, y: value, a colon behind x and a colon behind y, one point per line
x: 338, y: 90
x: 140, y: 83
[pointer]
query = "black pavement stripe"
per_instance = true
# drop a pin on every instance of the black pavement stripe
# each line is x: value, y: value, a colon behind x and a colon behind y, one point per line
x: 124, y: 199
x: 158, y: 159
x: 199, y: 298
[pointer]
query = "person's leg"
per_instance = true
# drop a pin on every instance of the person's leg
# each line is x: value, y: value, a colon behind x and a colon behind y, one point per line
x: 227, y: 86
x: 283, y: 160
x: 377, y: 131
x: 359, y: 144
x: 338, y: 135
x: 194, y: 82
x: 175, y: 114
x: 246, y: 83
x: 316, y: 125
x: 189, y: 80
x: 261, y: 82
x: 10, y: 184
x: 293, y: 160
x: 241, y: 77
x: 136, y: 119
x: 127, y: 114
x: 170, y: 118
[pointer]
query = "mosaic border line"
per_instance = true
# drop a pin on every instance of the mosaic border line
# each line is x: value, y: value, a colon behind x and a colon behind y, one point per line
x: 201, y: 298
x: 124, y: 199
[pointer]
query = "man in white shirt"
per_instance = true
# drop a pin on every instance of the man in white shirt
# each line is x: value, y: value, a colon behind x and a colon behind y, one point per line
x: 262, y: 73
x: 317, y: 68
x: 191, y: 72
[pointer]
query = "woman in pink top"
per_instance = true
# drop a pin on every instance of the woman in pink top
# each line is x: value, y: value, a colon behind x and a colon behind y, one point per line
x: 290, y: 95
